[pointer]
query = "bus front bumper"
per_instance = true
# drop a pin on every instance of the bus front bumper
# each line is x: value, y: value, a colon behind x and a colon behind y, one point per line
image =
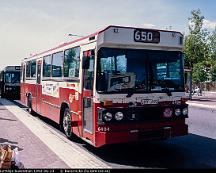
x: 134, y: 135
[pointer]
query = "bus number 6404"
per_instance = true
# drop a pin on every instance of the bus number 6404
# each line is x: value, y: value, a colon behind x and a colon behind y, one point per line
x: 103, y: 129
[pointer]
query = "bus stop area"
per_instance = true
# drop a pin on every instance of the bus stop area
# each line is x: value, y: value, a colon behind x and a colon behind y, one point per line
x: 33, y: 153
x: 39, y: 145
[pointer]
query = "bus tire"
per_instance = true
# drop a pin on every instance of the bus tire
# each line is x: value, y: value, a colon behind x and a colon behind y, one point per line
x: 29, y: 104
x: 2, y: 95
x: 66, y: 123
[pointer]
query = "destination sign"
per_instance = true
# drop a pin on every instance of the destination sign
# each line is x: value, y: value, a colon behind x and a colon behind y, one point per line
x: 146, y: 36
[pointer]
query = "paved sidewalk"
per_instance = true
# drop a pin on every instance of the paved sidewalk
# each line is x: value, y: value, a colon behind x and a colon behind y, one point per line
x: 56, y: 151
x: 33, y: 153
x: 207, y: 100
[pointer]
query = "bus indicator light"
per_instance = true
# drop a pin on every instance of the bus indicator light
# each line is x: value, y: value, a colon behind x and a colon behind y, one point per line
x: 167, y: 113
x: 107, y: 103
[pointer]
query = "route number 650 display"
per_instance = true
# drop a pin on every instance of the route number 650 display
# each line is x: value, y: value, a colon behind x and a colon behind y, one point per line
x: 146, y: 36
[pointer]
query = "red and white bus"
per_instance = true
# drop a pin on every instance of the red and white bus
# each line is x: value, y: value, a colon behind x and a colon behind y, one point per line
x: 120, y: 84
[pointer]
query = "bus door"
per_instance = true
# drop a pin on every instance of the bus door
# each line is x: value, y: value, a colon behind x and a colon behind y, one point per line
x: 38, y: 87
x: 88, y: 78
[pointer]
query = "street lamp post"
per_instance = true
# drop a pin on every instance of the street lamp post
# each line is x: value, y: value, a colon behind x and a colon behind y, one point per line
x: 75, y: 35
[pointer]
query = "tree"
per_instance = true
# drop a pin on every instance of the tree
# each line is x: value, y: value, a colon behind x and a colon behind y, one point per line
x: 212, y: 45
x: 212, y: 54
x: 199, y: 72
x: 195, y: 46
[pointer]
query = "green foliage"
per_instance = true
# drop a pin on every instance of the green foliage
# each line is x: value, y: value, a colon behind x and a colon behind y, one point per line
x: 213, y: 72
x: 200, y: 49
x: 199, y: 72
x: 212, y: 45
x: 195, y: 47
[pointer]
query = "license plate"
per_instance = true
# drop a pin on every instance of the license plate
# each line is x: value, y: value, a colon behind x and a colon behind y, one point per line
x: 148, y: 101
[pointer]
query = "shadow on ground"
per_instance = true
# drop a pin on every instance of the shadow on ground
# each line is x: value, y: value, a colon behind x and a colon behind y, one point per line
x: 191, y: 151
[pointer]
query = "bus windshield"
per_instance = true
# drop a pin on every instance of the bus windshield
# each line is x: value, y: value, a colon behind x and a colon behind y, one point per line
x: 121, y: 70
x: 12, y: 77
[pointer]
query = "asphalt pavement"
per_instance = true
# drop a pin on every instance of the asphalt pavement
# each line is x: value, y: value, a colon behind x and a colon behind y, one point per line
x: 30, y: 136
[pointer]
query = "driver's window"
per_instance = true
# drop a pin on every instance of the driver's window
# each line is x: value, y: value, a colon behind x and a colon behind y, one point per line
x: 8, y: 77
x: 114, y: 64
x: 108, y: 64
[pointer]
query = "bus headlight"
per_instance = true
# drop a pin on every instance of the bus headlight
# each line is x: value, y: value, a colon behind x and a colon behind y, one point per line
x: 107, y: 116
x: 119, y: 116
x: 177, y: 112
x: 8, y: 88
x: 185, y: 111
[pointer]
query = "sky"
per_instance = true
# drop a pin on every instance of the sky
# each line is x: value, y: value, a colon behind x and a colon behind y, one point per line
x: 32, y: 26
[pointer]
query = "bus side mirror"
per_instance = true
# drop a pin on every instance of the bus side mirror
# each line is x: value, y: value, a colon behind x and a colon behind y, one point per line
x: 85, y: 62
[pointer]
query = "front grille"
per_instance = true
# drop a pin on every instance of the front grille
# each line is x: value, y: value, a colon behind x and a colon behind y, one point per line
x: 142, y: 114
x: 148, y: 113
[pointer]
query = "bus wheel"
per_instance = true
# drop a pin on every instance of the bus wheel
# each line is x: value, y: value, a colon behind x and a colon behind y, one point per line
x: 29, y: 104
x: 66, y: 123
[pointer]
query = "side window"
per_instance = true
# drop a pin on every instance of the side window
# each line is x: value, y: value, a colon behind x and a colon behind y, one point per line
x: 23, y: 73
x: 72, y: 62
x: 47, y: 66
x: 57, y: 63
x: 39, y: 72
x: 28, y: 69
x: 33, y: 69
x: 89, y: 73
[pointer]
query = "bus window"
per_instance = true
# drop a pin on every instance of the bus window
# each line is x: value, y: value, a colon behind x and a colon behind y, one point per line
x: 89, y: 75
x: 12, y: 77
x: 28, y: 69
x: 166, y: 71
x: 23, y: 72
x: 47, y: 66
x: 57, y: 63
x: 33, y: 69
x: 72, y: 62
x: 7, y: 78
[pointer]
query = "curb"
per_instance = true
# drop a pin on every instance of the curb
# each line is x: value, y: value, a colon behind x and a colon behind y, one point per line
x: 201, y: 105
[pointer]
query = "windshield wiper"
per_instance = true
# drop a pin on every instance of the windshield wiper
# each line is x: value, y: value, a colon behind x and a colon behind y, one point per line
x: 130, y: 92
x: 168, y: 91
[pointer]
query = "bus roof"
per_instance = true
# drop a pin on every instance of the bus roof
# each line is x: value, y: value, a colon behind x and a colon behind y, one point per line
x: 94, y: 34
x: 12, y: 68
